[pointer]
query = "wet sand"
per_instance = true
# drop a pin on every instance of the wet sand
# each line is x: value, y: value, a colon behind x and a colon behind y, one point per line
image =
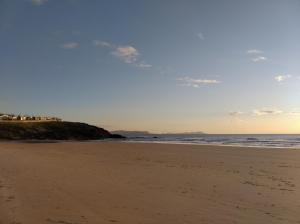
x: 131, y: 183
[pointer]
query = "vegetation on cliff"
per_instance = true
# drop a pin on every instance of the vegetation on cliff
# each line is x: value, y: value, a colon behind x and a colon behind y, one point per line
x: 52, y: 131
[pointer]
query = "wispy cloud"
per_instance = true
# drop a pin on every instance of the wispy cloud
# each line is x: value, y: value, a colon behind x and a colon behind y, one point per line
x: 143, y: 65
x: 256, y: 55
x: 201, y: 36
x: 127, y: 53
x: 39, y: 2
x: 259, y: 59
x: 237, y: 116
x: 265, y: 112
x: 99, y: 43
x: 236, y: 113
x: 295, y: 113
x: 196, y: 83
x: 281, y: 78
x: 254, y: 51
x: 70, y: 45
x: 262, y: 112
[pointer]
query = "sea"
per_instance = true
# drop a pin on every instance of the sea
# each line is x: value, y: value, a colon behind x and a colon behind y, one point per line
x: 253, y: 140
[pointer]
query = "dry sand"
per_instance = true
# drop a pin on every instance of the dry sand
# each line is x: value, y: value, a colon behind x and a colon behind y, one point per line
x: 110, y: 182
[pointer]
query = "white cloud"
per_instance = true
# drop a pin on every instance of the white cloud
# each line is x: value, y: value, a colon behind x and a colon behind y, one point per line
x: 127, y: 54
x: 70, y: 45
x: 236, y: 113
x: 254, y: 51
x: 259, y: 59
x: 187, y: 81
x: 39, y: 2
x: 201, y: 36
x: 281, y: 78
x: 256, y: 55
x: 267, y: 112
x: 143, y: 65
x: 99, y: 43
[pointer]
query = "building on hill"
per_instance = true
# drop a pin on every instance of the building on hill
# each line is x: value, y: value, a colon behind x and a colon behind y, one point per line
x: 12, y: 117
x: 4, y: 117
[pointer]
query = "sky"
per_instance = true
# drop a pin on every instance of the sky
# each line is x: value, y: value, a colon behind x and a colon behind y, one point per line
x: 161, y: 66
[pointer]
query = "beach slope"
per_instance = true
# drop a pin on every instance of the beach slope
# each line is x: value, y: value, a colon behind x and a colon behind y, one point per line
x: 131, y: 183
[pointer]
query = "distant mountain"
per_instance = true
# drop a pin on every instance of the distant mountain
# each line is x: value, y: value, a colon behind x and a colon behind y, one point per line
x: 52, y: 131
x: 146, y: 133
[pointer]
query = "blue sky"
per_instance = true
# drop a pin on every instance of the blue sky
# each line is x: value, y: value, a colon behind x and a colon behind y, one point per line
x: 163, y: 66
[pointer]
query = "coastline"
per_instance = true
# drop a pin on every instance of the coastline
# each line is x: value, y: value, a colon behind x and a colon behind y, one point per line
x: 117, y: 182
x: 209, y: 144
x: 147, y: 142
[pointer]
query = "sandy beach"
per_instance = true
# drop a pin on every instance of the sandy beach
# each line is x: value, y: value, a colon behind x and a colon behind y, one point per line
x: 131, y: 183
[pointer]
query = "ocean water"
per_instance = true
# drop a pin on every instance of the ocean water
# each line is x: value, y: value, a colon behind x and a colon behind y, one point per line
x: 270, y: 141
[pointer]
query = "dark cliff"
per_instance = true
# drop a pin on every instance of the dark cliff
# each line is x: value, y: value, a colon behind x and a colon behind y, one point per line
x: 52, y: 131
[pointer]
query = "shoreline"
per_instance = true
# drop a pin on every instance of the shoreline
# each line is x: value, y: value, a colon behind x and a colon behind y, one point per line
x: 203, y: 144
x: 36, y: 141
